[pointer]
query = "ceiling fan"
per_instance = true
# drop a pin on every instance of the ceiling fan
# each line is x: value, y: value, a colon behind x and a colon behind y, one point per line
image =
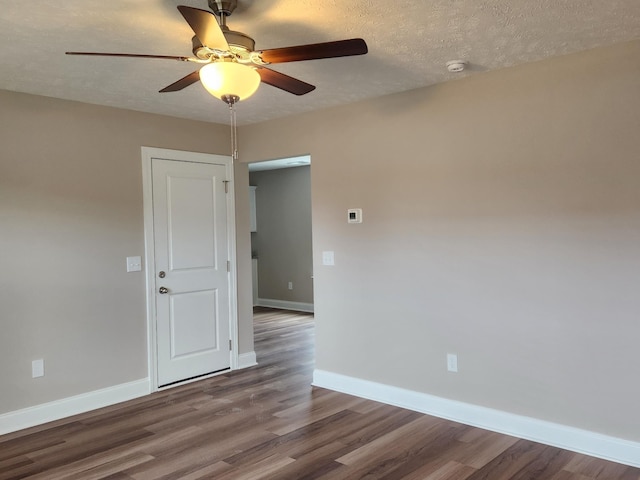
x: 230, y: 61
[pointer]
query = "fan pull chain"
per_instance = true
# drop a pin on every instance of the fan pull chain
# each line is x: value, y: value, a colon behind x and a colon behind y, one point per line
x: 234, y: 131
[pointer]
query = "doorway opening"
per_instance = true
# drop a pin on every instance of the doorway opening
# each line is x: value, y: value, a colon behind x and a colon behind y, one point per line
x: 281, y: 234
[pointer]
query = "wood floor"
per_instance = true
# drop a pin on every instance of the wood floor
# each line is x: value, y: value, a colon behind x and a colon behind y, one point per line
x: 266, y: 422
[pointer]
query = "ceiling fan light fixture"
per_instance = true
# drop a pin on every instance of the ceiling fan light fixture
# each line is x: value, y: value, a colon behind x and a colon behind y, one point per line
x: 229, y: 80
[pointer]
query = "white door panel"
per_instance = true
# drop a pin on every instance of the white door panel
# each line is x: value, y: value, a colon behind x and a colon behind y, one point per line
x: 190, y: 243
x: 193, y: 320
x: 191, y: 235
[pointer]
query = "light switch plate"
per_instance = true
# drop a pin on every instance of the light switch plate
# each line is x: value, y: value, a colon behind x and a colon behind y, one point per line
x: 134, y: 264
x: 328, y: 258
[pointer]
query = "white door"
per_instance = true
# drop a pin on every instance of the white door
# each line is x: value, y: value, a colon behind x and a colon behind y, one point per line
x: 191, y: 269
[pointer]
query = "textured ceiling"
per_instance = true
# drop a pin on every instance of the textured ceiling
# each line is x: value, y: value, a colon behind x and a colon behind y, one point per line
x: 409, y: 45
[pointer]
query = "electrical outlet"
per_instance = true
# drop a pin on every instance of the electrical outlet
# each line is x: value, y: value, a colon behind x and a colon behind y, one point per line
x: 37, y: 368
x: 452, y: 362
x: 290, y: 286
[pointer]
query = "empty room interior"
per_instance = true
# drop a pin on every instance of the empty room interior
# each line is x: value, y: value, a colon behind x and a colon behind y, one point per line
x: 434, y: 274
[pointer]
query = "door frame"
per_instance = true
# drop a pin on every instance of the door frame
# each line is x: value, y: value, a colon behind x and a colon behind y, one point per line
x: 149, y: 153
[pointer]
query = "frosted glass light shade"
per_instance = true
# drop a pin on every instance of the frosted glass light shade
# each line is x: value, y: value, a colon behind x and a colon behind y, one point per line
x: 229, y: 78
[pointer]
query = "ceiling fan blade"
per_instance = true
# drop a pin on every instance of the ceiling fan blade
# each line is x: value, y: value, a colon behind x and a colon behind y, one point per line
x: 132, y: 55
x: 205, y: 26
x: 184, y: 82
x: 284, y: 82
x: 340, y: 48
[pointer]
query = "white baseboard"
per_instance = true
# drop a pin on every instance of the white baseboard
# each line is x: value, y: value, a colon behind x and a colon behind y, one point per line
x: 246, y: 360
x: 48, y: 412
x: 562, y: 436
x: 285, y: 305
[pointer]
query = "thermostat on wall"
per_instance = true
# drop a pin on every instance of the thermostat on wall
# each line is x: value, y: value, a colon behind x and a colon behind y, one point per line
x: 354, y: 215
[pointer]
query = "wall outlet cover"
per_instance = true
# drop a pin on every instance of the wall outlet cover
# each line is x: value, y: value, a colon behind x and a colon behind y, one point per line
x: 452, y: 362
x: 37, y: 368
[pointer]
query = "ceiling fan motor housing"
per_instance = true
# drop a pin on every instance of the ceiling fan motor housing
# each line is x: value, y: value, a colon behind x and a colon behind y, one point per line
x: 239, y: 39
x: 241, y: 46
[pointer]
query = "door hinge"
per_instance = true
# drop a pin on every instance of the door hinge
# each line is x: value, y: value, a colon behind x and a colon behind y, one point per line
x: 226, y: 186
x: 228, y: 266
x: 230, y: 345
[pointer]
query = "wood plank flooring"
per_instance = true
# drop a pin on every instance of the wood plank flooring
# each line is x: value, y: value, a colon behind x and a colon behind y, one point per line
x: 267, y: 422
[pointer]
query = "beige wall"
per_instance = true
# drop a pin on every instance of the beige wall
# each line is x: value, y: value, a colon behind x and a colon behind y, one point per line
x: 70, y: 212
x: 501, y: 223
x: 243, y: 260
x: 282, y: 241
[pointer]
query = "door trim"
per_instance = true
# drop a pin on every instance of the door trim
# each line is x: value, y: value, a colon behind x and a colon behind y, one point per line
x: 149, y: 153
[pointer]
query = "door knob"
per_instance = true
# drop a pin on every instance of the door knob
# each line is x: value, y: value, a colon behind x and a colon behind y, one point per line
x: 163, y: 290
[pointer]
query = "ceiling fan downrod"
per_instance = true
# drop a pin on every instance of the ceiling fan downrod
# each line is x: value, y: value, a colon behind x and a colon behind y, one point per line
x: 222, y: 9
